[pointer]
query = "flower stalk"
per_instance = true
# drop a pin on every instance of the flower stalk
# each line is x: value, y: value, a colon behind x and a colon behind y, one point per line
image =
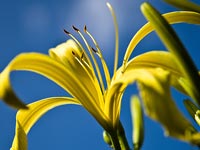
x: 122, y: 137
x: 115, y: 140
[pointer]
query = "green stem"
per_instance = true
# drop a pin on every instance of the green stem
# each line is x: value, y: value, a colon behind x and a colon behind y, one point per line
x: 115, y: 140
x: 122, y: 138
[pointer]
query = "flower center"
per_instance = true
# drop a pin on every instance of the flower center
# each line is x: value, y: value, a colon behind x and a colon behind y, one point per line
x: 93, y: 64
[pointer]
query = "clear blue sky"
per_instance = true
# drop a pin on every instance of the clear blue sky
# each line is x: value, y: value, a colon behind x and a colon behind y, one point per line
x: 27, y: 26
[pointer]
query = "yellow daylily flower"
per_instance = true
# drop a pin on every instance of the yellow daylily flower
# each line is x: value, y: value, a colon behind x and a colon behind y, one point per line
x: 69, y: 66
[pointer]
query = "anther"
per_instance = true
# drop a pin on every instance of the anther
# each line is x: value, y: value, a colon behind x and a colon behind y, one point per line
x: 94, y: 50
x: 82, y: 55
x: 76, y: 29
x: 73, y: 53
x: 85, y: 28
x: 66, y: 32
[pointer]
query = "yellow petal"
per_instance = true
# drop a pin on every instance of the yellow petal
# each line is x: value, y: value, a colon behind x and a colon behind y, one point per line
x: 172, y: 18
x: 73, y: 83
x: 155, y: 91
x: 113, y: 103
x: 20, y: 141
x: 6, y: 92
x: 114, y: 94
x: 73, y: 58
x: 159, y: 105
x: 25, y: 119
x: 137, y: 67
x: 155, y: 59
x: 158, y: 59
x: 67, y: 52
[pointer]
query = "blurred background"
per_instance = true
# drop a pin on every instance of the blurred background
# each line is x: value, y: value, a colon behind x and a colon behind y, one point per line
x: 37, y: 26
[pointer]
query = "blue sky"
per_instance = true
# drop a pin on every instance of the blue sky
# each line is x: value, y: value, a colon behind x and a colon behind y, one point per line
x: 36, y: 26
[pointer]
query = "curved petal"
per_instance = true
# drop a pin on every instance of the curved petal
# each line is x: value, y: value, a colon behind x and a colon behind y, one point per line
x: 20, y: 141
x: 154, y: 86
x: 113, y: 103
x: 25, y: 119
x: 160, y: 106
x: 156, y: 59
x: 74, y: 59
x: 73, y: 82
x: 7, y: 94
x: 172, y: 18
x: 136, y: 69
x: 117, y: 87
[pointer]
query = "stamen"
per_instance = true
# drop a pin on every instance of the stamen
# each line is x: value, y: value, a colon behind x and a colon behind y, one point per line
x: 66, y: 32
x: 73, y: 53
x: 82, y: 55
x: 94, y: 50
x: 116, y: 36
x: 93, y: 58
x: 79, y: 44
x: 76, y: 29
x: 83, y: 63
x: 105, y: 67
x: 87, y: 67
x: 85, y: 28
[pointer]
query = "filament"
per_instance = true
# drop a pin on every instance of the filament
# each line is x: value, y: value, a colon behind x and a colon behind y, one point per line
x: 116, y: 37
x: 99, y: 53
x: 79, y: 44
x: 93, y: 58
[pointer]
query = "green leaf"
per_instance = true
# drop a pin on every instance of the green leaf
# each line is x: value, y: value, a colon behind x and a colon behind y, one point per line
x: 25, y: 119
